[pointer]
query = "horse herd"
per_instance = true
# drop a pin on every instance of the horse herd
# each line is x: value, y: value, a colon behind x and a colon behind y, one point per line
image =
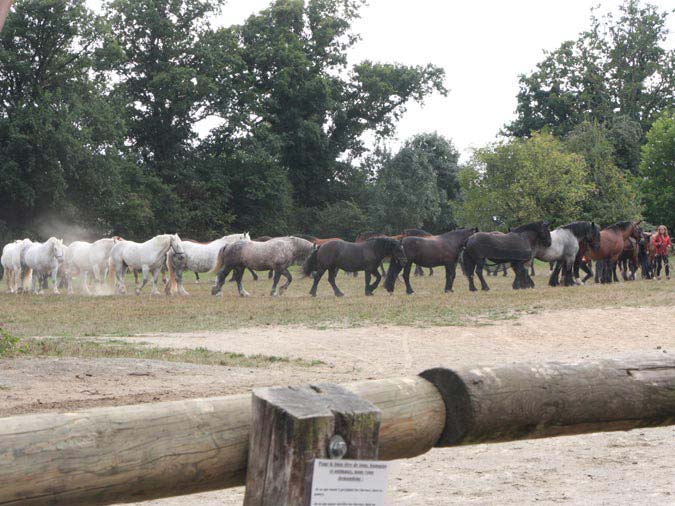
x: 569, y: 248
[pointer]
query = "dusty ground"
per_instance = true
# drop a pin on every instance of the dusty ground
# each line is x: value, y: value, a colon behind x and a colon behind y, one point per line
x: 614, y: 468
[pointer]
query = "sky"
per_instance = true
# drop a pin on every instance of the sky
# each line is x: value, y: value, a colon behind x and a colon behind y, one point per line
x: 483, y: 45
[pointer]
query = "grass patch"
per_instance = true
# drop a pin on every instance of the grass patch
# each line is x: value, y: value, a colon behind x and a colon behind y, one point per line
x: 122, y: 316
x: 115, y: 348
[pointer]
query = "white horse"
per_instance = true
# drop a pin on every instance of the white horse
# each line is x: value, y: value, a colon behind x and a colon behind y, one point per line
x: 199, y: 257
x: 43, y: 259
x: 147, y: 257
x: 11, y: 263
x: 84, y: 258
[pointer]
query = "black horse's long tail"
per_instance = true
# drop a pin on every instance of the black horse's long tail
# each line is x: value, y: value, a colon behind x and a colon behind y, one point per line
x: 461, y: 260
x: 310, y: 264
x: 392, y: 275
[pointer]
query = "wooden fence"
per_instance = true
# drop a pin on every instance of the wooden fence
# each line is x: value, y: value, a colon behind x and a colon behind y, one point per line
x: 133, y: 453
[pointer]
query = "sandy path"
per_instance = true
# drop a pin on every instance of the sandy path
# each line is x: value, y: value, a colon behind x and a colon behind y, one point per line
x: 614, y: 468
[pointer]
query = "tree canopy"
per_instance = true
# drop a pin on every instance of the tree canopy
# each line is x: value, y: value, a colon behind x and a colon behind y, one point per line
x: 658, y: 167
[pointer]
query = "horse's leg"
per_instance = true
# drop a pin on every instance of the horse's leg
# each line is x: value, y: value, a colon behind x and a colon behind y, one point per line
x: 317, y: 277
x: 287, y: 274
x: 518, y: 280
x: 270, y: 274
x: 220, y: 281
x: 450, y: 270
x: 332, y: 272
x: 378, y: 278
x: 383, y: 271
x: 367, y: 276
x: 55, y: 275
x: 277, y: 277
x: 85, y: 286
x: 418, y: 271
x: 554, y: 278
x: 146, y: 271
x: 406, y: 278
x: 469, y: 267
x: 155, y: 281
x: 568, y: 274
x: 254, y: 274
x: 431, y: 271
x: 479, y: 273
x: 196, y: 277
x: 239, y: 273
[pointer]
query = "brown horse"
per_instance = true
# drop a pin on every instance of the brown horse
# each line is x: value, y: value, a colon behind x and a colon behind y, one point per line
x: 434, y: 251
x: 612, y: 241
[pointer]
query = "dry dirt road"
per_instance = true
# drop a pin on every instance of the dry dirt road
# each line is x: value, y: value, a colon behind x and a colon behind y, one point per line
x: 614, y: 468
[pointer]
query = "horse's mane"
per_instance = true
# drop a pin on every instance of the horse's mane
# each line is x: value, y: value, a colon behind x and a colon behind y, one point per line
x: 383, y: 244
x: 578, y: 228
x: 619, y: 225
x: 369, y: 235
x: 306, y: 237
x: 529, y: 227
x: 416, y: 232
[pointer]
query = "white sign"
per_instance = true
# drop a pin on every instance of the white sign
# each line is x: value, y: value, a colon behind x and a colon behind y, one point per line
x: 349, y: 482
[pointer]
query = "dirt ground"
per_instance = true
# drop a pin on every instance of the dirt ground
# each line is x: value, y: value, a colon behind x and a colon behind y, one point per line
x: 613, y: 468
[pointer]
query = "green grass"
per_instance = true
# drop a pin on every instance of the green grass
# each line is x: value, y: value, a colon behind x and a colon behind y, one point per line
x: 121, y: 316
x: 115, y: 348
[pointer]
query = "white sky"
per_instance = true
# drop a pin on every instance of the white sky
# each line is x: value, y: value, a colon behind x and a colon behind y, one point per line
x: 483, y: 45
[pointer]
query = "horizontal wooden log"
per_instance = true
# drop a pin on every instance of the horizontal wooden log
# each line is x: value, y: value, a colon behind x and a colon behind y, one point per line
x: 133, y: 453
x: 492, y: 404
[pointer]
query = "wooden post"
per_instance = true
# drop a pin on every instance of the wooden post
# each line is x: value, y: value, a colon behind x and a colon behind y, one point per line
x: 292, y: 426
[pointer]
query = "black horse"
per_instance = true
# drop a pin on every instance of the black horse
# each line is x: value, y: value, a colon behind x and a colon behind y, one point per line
x: 516, y: 247
x: 352, y: 257
x: 429, y: 252
x: 418, y: 232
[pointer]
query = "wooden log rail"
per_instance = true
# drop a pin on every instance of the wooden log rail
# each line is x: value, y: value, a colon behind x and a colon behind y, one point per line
x: 133, y: 453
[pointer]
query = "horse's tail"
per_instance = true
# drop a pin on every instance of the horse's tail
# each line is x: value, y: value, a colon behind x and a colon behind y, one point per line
x: 461, y: 259
x: 310, y: 264
x: 220, y: 259
x: 392, y: 274
x: 112, y: 270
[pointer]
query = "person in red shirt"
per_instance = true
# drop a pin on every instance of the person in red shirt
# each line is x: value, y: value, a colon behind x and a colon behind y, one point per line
x: 661, y: 242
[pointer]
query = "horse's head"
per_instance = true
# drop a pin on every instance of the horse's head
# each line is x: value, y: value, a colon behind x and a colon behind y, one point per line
x: 177, y: 246
x: 636, y: 233
x: 116, y: 239
x: 544, y: 234
x: 593, y: 237
x: 57, y: 248
x: 246, y: 236
x: 399, y: 253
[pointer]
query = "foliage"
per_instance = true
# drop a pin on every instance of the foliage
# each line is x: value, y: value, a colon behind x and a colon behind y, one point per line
x: 658, y: 167
x: 522, y: 181
x: 343, y: 219
x: 614, y: 196
x: 8, y: 342
x: 616, y: 73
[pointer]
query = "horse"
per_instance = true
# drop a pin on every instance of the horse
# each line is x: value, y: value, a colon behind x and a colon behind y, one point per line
x: 277, y: 254
x: 516, y: 247
x: 83, y: 258
x: 148, y: 256
x: 43, y: 259
x: 352, y: 257
x: 564, y: 248
x: 199, y: 258
x: 646, y: 254
x: 628, y: 260
x: 11, y: 264
x: 418, y: 232
x: 612, y: 240
x: 430, y: 251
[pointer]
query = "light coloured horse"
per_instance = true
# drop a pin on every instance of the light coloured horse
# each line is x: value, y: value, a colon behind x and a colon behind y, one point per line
x: 277, y: 254
x: 148, y: 257
x: 43, y: 259
x: 564, y: 248
x: 11, y: 264
x: 85, y: 257
x: 199, y: 258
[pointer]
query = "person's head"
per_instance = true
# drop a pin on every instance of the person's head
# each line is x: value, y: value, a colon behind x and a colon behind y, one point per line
x: 663, y: 230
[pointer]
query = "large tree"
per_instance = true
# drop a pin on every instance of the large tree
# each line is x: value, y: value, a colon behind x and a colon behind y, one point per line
x: 60, y: 136
x: 617, y: 73
x: 658, y: 167
x: 522, y: 181
x: 288, y: 67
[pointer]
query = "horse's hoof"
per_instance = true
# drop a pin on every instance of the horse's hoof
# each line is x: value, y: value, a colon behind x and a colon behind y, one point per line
x: 448, y: 290
x: 485, y: 288
x: 244, y: 294
x: 340, y: 294
x: 137, y: 291
x: 368, y: 294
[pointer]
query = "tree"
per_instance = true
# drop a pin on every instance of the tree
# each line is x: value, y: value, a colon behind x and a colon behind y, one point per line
x: 617, y: 71
x: 614, y: 196
x: 289, y: 64
x: 407, y: 191
x: 522, y: 181
x: 61, y: 138
x: 443, y: 158
x: 658, y: 168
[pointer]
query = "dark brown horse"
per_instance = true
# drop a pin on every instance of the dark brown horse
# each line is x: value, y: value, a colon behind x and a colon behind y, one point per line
x: 516, y: 247
x: 418, y: 232
x: 352, y: 257
x: 433, y: 251
x: 612, y: 241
